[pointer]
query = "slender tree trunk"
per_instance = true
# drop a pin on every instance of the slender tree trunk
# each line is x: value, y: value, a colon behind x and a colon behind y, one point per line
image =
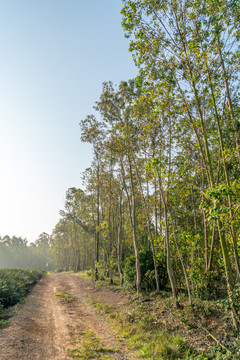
x: 119, y: 233
x: 182, y: 263
x: 132, y: 216
x: 155, y: 211
x: 146, y: 211
x: 232, y: 115
x: 210, y: 258
x: 138, y: 272
x: 169, y: 260
x: 98, y: 222
x: 204, y: 220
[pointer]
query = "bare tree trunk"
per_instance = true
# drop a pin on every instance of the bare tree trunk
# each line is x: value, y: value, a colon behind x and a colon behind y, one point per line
x: 138, y: 272
x: 183, y: 267
x: 169, y: 261
x: 146, y: 211
x: 132, y: 215
x: 98, y: 221
x: 232, y: 115
x: 119, y: 233
x: 204, y: 221
x: 209, y: 265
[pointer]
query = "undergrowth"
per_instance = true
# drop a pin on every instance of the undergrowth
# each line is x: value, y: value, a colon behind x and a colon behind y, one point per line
x: 151, y: 325
x: 152, y: 328
x: 140, y: 332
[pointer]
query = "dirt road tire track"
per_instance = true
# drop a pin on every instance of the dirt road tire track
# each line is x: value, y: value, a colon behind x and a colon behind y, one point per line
x: 45, y: 327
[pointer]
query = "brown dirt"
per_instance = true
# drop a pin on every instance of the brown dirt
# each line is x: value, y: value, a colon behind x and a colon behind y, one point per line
x: 45, y: 327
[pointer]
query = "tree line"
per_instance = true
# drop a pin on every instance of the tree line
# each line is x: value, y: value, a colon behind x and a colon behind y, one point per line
x: 16, y: 252
x: 166, y: 155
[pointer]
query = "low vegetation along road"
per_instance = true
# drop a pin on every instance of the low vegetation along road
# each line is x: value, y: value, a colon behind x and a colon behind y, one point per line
x: 58, y: 322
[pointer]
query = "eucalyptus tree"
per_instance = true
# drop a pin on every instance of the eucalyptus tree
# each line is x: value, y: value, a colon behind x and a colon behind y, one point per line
x: 72, y: 237
x: 60, y: 248
x: 115, y: 107
x: 92, y: 131
x: 156, y: 119
x: 185, y: 44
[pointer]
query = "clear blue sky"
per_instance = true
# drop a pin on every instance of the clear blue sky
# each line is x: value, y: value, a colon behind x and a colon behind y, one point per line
x: 54, y: 56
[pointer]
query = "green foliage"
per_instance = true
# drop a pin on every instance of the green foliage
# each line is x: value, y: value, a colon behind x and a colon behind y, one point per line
x: 216, y: 353
x: 234, y: 302
x: 147, y: 271
x: 3, y: 322
x: 15, y: 283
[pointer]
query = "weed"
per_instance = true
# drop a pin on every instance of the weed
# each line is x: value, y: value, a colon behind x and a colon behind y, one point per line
x: 3, y: 323
x: 65, y: 296
x: 102, y: 308
x: 88, y: 346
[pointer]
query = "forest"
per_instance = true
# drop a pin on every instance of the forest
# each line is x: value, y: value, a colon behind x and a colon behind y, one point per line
x: 162, y: 192
x: 160, y: 202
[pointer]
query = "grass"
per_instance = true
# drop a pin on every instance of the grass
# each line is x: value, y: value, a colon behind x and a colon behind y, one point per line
x: 101, y: 308
x: 144, y: 333
x: 153, y: 328
x: 65, y: 296
x: 103, y: 281
x: 140, y: 332
x: 88, y: 346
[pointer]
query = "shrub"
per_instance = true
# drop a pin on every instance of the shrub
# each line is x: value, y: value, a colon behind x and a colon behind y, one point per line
x: 15, y: 283
x: 147, y: 271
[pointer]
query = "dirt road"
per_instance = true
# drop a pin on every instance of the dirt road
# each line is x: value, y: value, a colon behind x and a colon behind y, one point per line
x: 47, y: 325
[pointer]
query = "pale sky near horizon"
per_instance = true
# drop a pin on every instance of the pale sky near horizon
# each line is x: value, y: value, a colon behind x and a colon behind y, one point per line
x: 55, y: 54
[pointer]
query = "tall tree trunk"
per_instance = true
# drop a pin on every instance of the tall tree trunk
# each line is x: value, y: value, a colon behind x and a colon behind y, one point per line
x: 169, y: 260
x: 146, y: 212
x: 232, y: 115
x: 98, y: 221
x: 132, y: 216
x: 210, y: 258
x: 204, y: 221
x: 119, y: 233
x: 138, y: 272
x: 182, y: 263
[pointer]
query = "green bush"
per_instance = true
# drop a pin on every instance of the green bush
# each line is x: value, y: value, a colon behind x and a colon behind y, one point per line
x: 15, y: 283
x: 147, y: 271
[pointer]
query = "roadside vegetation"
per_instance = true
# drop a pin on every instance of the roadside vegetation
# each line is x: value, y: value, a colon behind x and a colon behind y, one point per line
x: 154, y: 329
x: 14, y: 285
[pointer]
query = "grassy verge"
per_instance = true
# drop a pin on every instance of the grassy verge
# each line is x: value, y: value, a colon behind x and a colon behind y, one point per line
x: 151, y: 326
x: 140, y: 332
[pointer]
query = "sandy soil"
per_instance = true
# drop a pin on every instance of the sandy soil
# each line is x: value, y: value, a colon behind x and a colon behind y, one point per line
x: 45, y: 327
